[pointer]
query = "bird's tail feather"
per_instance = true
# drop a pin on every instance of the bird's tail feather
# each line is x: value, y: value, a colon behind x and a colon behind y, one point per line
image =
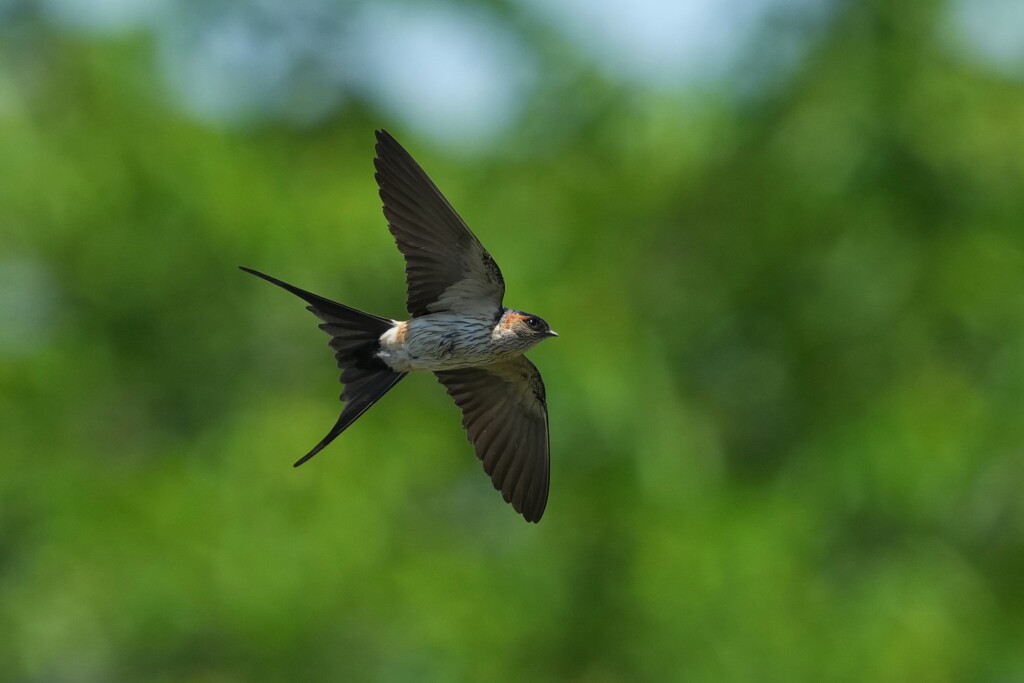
x: 358, y: 396
x: 355, y: 339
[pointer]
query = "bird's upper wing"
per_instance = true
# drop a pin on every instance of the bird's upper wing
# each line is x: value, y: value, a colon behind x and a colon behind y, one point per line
x: 446, y: 267
x: 505, y: 414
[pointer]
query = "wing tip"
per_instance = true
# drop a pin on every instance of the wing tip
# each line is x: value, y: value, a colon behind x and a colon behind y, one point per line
x: 531, y: 506
x: 385, y: 141
x: 531, y: 518
x: 533, y: 510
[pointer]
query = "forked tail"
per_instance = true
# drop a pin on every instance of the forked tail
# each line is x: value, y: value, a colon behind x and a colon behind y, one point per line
x: 355, y: 339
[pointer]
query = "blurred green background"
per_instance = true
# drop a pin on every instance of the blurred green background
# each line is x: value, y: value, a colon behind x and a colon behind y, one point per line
x: 782, y: 241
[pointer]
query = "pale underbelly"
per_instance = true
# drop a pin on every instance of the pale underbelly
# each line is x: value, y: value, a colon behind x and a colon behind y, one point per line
x: 440, y: 344
x: 400, y: 361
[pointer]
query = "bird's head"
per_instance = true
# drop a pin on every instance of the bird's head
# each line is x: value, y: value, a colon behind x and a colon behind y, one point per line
x: 524, y: 329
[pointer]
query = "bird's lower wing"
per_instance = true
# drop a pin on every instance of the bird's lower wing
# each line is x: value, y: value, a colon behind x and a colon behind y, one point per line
x: 504, y: 412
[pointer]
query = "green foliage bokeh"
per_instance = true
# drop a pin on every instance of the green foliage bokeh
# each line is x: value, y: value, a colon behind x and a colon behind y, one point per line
x: 785, y: 403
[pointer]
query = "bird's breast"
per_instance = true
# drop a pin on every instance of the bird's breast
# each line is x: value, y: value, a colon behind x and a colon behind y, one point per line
x: 440, y: 341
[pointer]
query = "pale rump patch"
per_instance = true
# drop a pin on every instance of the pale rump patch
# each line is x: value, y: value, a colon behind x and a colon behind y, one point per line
x: 394, y: 338
x: 400, y: 332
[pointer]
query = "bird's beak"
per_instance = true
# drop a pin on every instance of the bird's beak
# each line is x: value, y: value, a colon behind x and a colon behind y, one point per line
x: 552, y: 333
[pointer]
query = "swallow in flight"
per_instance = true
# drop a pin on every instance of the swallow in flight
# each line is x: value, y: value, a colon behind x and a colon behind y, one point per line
x: 458, y: 329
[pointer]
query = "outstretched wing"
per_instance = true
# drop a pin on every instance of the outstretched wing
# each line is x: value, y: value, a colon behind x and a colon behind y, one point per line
x: 446, y: 267
x: 505, y: 414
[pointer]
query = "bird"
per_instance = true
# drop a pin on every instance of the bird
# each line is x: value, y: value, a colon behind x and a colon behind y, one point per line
x: 458, y: 328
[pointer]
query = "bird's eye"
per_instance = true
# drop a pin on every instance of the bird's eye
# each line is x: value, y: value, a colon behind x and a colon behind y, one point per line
x: 533, y: 323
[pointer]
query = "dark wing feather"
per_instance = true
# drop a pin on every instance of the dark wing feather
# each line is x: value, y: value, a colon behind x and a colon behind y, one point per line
x: 504, y: 412
x: 446, y: 267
